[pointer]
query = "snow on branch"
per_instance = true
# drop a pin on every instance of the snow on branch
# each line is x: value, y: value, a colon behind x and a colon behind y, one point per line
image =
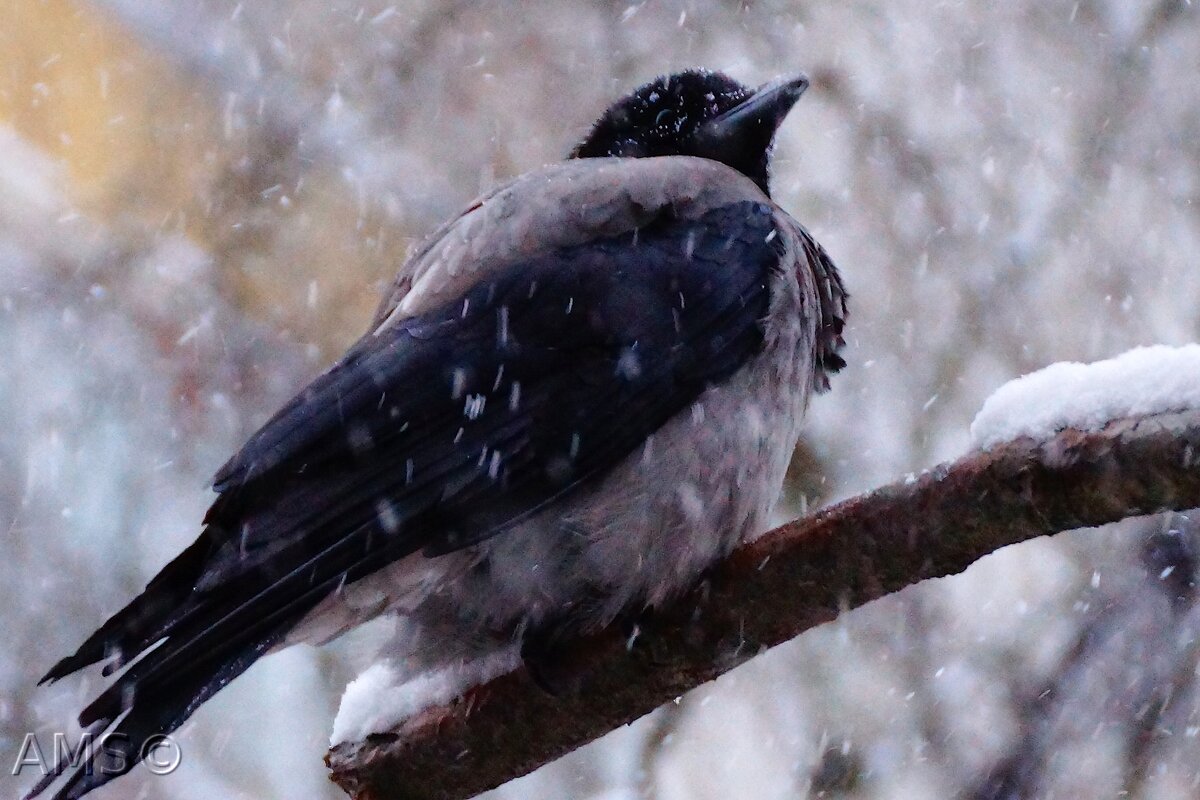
x: 769, y: 591
x: 1138, y: 382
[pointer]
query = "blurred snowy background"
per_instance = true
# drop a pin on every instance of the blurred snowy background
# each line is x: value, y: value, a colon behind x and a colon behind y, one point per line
x: 199, y: 201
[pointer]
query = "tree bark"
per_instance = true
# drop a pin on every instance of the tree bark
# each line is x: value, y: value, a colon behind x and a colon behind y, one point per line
x: 768, y: 591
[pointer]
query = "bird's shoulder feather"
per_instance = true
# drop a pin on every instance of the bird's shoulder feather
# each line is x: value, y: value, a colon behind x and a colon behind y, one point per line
x: 549, y: 209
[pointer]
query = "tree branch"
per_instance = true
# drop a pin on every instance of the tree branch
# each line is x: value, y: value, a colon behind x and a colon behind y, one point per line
x: 769, y: 591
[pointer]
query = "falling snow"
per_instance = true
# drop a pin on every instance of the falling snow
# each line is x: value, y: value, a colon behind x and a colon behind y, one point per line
x: 197, y: 206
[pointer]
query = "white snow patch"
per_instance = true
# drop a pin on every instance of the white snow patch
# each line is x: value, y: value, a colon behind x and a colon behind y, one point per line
x: 1145, y: 380
x: 381, y: 698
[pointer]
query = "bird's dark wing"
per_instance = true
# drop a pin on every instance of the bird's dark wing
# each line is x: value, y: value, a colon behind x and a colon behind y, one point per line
x: 539, y: 377
x: 437, y: 432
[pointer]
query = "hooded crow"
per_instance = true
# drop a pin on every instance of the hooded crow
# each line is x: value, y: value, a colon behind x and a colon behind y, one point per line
x: 576, y: 395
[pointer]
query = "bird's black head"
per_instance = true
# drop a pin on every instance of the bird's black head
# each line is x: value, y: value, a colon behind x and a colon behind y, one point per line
x: 696, y: 113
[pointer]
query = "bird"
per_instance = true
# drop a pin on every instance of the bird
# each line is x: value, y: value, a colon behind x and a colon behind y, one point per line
x: 576, y: 395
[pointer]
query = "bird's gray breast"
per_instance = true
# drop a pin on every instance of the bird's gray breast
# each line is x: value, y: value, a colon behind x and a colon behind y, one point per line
x: 704, y: 481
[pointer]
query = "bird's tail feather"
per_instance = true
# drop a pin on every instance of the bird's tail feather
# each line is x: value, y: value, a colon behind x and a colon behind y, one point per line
x: 121, y: 741
x: 157, y: 629
x: 133, y: 628
x: 189, y: 653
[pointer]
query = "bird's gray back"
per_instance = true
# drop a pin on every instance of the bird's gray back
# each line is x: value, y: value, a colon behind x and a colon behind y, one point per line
x: 550, y: 209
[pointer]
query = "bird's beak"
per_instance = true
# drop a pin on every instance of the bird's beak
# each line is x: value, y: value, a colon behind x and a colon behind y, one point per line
x: 755, y: 120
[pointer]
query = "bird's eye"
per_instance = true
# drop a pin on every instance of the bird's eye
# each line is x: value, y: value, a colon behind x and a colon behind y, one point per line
x: 664, y: 117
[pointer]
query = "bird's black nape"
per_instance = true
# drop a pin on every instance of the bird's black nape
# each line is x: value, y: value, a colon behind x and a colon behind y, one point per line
x: 696, y: 113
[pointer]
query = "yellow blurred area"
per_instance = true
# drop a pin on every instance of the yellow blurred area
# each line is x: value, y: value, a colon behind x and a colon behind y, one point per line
x: 91, y: 96
x: 148, y: 148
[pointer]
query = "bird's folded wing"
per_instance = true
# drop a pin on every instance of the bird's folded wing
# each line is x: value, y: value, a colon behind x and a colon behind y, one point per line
x: 540, y: 376
x: 450, y: 426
